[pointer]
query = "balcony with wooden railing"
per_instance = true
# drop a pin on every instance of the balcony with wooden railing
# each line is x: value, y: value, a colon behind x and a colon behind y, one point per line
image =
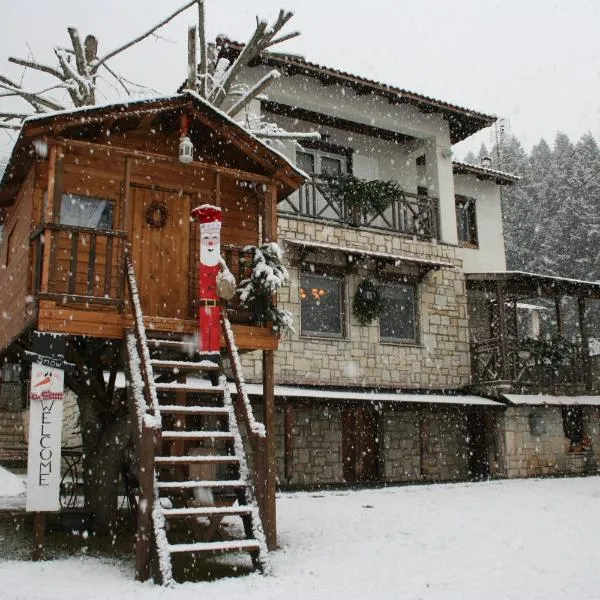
x: 512, y: 366
x: 78, y: 278
x: 407, y: 214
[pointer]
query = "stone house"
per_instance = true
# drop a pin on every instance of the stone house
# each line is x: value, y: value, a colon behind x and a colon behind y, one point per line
x: 404, y: 397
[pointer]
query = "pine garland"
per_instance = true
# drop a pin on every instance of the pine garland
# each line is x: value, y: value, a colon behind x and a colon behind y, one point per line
x: 370, y: 197
x: 367, y: 302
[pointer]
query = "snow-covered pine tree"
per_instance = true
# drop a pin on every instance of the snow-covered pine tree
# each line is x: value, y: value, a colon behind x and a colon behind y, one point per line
x: 264, y: 275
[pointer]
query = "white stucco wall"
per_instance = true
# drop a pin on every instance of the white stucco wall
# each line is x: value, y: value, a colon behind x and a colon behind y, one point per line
x: 374, y: 158
x: 490, y: 255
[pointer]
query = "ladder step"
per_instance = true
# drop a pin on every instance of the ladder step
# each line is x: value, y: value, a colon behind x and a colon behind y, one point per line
x: 229, y: 546
x: 182, y: 366
x: 184, y: 346
x: 197, y: 435
x: 179, y: 460
x: 195, y: 387
x: 195, y: 410
x: 207, y: 511
x: 183, y: 485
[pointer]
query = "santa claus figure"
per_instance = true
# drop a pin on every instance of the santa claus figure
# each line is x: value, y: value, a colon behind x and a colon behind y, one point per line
x: 215, y: 282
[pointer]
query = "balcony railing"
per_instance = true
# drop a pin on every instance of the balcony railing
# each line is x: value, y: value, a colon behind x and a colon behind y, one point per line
x: 409, y: 214
x: 514, y: 366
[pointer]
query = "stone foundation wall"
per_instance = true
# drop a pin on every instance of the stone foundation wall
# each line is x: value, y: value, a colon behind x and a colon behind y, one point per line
x: 545, y: 450
x: 442, y: 454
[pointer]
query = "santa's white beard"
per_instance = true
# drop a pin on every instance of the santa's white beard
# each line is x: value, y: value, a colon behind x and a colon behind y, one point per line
x: 210, y: 257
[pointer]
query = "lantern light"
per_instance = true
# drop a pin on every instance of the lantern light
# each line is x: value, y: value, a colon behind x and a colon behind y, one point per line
x: 186, y: 150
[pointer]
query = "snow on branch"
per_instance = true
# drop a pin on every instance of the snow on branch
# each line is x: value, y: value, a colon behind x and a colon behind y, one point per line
x: 258, y: 88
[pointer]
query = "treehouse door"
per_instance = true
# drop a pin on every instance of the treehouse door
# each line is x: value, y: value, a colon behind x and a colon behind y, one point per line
x: 160, y: 237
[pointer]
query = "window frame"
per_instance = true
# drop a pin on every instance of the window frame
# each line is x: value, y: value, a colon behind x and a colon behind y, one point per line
x: 414, y: 286
x: 469, y: 211
x: 109, y: 202
x: 341, y: 279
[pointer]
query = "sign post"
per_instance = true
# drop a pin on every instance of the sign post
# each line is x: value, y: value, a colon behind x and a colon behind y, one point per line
x: 46, y: 393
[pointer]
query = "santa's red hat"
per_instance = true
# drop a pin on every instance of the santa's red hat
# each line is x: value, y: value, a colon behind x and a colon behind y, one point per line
x: 208, y: 216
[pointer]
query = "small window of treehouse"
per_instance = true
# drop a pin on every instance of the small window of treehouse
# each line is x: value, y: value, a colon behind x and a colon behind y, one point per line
x: 86, y: 211
x: 398, y: 317
x: 466, y: 221
x: 321, y: 305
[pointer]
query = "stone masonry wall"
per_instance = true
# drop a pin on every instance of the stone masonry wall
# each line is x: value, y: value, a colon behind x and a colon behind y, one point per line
x: 530, y: 455
x: 317, y: 445
x: 439, y: 359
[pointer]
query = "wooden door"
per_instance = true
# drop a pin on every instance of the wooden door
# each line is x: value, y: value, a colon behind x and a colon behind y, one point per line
x: 159, y: 231
x: 480, y: 438
x: 360, y: 444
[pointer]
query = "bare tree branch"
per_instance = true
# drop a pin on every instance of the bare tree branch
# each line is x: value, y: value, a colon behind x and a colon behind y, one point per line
x: 7, y: 115
x: 283, y: 38
x: 78, y: 49
x: 36, y: 100
x: 118, y: 78
x: 203, y: 48
x: 254, y: 91
x: 245, y: 56
x: 39, y: 67
x: 286, y: 135
x: 96, y: 64
x: 9, y: 126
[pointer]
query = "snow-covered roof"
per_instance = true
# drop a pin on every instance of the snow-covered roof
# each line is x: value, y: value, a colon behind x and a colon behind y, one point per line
x: 463, y: 121
x: 285, y: 391
x: 548, y: 400
x: 535, y: 283
x: 499, y: 177
x: 43, y: 124
x: 395, y: 258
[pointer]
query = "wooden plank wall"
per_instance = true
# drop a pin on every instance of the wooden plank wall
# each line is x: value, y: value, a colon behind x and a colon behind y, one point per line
x: 16, y: 308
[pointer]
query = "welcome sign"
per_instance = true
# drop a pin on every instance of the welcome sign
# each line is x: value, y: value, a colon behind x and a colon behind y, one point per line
x: 45, y: 429
x: 46, y: 393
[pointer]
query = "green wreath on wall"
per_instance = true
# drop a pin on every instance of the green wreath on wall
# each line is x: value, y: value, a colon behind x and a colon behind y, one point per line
x: 367, y: 302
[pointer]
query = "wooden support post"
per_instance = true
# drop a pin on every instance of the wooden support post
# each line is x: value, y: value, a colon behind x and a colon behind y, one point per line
x: 289, y: 441
x: 39, y: 534
x: 423, y: 442
x: 143, y: 551
x: 270, y: 524
x: 501, y: 299
x: 51, y: 208
x: 559, y: 319
x: 585, y: 345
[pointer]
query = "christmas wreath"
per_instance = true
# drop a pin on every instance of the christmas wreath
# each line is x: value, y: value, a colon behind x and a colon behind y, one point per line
x: 367, y: 302
x: 156, y: 215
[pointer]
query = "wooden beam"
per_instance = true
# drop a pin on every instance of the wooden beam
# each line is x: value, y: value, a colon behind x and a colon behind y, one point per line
x: 47, y: 217
x: 559, y: 317
x: 270, y: 508
x: 39, y: 535
x: 583, y: 331
x: 501, y: 300
x: 288, y: 455
x: 317, y: 118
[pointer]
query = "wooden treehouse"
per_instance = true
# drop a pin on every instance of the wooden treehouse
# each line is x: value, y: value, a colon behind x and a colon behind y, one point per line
x: 98, y: 242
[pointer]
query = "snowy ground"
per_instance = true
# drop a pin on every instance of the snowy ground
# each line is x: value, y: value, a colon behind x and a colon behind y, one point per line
x: 496, y: 540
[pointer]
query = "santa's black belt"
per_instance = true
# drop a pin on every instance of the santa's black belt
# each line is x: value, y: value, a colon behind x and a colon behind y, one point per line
x: 212, y: 303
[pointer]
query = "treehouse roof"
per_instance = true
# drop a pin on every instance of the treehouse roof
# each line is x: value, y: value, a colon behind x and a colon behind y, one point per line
x: 217, y: 139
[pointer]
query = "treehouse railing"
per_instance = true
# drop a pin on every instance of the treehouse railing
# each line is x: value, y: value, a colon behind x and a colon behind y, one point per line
x: 85, y: 264
x: 147, y: 422
x: 255, y: 431
x: 409, y: 214
x: 511, y: 363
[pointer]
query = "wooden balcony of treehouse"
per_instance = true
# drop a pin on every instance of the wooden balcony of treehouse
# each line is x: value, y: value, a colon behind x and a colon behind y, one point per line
x: 78, y: 283
x: 509, y: 366
x: 408, y: 214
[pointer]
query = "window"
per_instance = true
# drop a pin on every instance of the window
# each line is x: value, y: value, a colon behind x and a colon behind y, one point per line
x: 573, y: 426
x: 397, y: 321
x: 321, y: 305
x: 318, y: 163
x: 85, y: 211
x: 466, y: 221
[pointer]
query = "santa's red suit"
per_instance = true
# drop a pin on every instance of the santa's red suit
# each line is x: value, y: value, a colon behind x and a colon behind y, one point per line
x: 209, y: 311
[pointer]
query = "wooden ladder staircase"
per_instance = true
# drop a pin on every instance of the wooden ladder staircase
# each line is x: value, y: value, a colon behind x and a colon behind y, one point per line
x: 193, y: 471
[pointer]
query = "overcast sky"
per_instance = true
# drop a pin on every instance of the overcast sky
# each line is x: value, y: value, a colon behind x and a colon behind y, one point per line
x: 536, y: 63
